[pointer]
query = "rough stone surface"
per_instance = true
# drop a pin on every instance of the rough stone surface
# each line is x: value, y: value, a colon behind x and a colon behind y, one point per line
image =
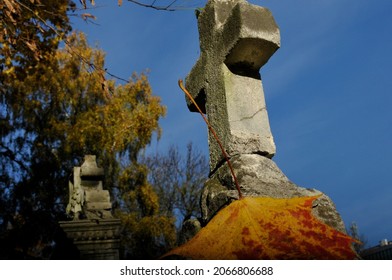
x: 87, y: 198
x: 236, y: 39
x: 95, y: 240
x: 89, y: 168
x: 93, y: 230
x: 260, y: 176
x: 189, y: 228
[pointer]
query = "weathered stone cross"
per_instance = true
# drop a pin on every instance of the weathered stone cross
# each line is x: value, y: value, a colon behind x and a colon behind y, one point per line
x: 236, y: 40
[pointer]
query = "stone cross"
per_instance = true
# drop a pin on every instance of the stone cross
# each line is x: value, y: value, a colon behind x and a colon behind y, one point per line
x: 236, y: 40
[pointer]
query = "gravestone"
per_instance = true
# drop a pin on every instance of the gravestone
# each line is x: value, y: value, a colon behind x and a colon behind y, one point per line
x: 87, y: 196
x: 92, y: 229
x: 236, y: 40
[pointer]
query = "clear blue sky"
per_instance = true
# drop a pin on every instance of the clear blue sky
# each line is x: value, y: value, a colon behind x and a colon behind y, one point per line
x: 328, y: 92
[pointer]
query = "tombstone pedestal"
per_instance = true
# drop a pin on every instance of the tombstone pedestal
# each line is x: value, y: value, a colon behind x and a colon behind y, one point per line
x: 259, y: 176
x: 95, y: 239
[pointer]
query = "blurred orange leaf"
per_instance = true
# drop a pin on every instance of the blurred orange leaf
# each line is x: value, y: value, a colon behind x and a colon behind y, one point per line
x: 86, y: 16
x: 267, y: 228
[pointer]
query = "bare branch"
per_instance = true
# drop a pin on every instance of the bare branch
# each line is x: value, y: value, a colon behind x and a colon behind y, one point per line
x: 7, y: 152
x: 152, y: 5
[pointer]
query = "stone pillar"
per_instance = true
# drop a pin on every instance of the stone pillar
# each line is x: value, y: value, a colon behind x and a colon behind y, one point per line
x: 92, y: 229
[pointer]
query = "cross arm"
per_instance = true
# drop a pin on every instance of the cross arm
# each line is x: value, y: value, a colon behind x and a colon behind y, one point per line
x: 196, y: 83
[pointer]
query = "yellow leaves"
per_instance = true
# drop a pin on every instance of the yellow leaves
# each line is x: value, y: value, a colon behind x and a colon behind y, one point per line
x: 33, y: 48
x: 146, y: 233
x: 10, y: 71
x: 30, y: 27
x: 64, y: 102
x: 12, y: 8
x: 99, y: 115
x: 10, y: 5
x: 144, y: 227
x: 133, y: 112
x: 267, y: 228
x: 65, y: 95
x: 149, y: 199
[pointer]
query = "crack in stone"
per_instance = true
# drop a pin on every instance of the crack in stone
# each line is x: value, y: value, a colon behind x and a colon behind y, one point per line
x: 250, y: 117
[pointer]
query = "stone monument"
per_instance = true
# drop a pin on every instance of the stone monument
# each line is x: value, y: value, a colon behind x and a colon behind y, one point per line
x: 236, y: 40
x: 93, y: 229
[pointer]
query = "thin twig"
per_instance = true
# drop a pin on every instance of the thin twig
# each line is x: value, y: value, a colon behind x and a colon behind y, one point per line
x: 215, y: 136
x: 171, y: 4
x: 167, y: 8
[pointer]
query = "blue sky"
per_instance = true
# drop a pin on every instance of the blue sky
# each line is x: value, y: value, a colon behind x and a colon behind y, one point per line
x: 328, y: 91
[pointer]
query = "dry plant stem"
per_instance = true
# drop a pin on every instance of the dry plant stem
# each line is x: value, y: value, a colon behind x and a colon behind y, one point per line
x: 215, y: 136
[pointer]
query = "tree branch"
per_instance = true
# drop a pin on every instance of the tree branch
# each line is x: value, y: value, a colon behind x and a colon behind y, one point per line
x: 152, y: 5
x: 7, y: 152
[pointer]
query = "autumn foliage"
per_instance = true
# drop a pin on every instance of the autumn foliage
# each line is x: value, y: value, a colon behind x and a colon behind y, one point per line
x: 267, y: 228
x: 264, y: 228
x: 53, y: 112
x: 58, y: 102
